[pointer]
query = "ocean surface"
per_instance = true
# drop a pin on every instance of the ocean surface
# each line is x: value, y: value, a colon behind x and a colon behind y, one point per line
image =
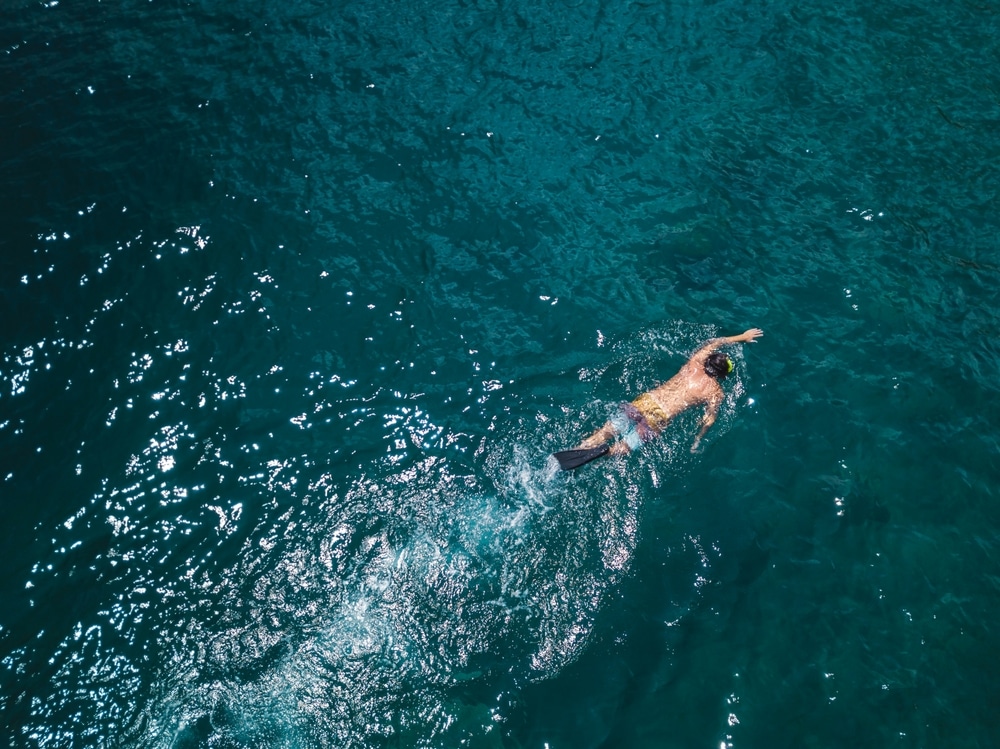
x: 298, y: 297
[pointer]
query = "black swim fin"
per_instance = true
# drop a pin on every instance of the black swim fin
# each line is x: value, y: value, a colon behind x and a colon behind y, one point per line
x: 570, y: 459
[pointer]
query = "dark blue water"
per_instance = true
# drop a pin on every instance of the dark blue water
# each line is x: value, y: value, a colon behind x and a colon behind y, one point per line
x: 298, y: 297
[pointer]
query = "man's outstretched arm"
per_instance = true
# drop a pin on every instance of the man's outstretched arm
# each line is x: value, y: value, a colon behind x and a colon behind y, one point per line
x: 747, y: 336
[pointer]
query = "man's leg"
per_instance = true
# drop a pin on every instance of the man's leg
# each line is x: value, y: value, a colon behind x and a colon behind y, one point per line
x: 602, y: 435
x: 620, y: 448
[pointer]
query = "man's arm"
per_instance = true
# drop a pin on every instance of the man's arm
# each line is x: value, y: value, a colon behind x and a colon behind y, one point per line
x: 711, y: 411
x: 748, y: 336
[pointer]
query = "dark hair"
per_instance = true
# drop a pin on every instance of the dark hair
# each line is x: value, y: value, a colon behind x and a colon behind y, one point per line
x: 717, y: 365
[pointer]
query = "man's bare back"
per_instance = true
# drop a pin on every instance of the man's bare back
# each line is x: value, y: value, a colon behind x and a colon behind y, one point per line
x: 697, y: 383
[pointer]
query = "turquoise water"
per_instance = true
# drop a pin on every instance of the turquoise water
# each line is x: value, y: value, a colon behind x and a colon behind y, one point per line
x: 298, y: 297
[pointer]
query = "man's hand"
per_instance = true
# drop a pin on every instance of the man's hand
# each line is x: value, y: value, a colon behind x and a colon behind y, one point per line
x: 751, y: 335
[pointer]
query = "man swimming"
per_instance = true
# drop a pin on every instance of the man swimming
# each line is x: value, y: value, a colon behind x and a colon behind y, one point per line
x: 697, y: 383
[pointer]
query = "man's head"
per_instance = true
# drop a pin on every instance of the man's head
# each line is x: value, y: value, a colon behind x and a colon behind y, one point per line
x: 718, y: 365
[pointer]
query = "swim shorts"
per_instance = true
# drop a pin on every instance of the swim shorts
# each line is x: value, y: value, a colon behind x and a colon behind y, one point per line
x: 631, y: 426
